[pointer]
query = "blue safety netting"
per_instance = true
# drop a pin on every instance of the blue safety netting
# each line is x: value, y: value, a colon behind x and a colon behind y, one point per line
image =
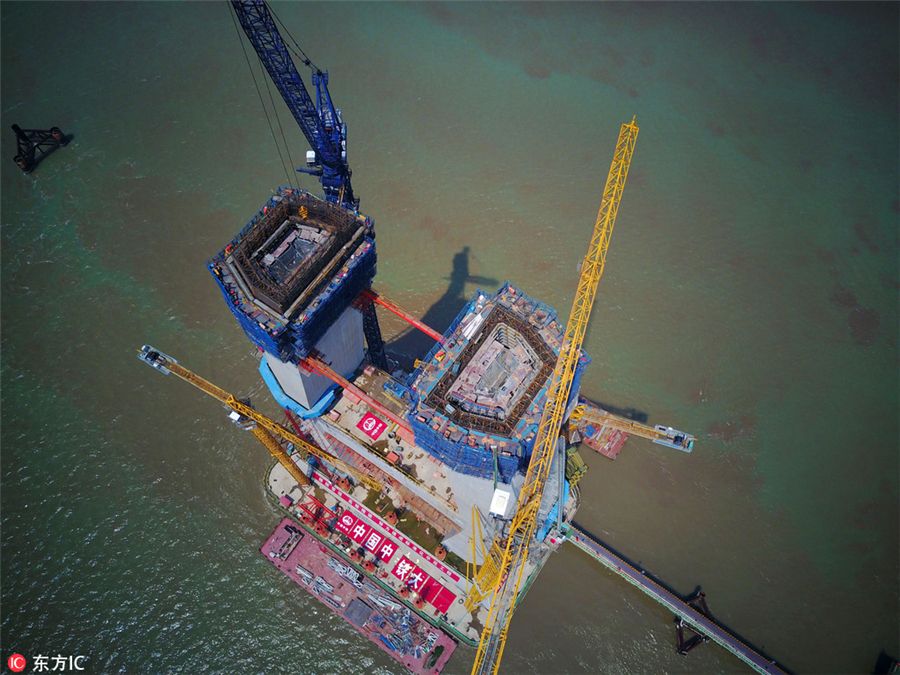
x: 291, y: 338
x: 459, y: 456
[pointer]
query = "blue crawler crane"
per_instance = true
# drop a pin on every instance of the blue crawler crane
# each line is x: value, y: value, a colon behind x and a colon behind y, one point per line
x: 249, y: 279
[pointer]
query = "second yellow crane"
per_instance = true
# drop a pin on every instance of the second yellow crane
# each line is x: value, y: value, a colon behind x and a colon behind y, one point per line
x: 521, y: 532
x: 585, y: 413
x: 265, y: 428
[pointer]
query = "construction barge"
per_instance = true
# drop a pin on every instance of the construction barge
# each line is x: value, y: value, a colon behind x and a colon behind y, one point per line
x: 369, y: 608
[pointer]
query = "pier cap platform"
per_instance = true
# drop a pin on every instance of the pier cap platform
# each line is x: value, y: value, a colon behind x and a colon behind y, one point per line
x: 478, y: 397
x: 293, y: 270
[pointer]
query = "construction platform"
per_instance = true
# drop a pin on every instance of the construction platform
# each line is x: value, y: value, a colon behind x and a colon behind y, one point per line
x: 293, y: 269
x: 342, y: 522
x: 370, y: 608
x: 416, y: 479
x: 476, y: 400
x: 456, y: 528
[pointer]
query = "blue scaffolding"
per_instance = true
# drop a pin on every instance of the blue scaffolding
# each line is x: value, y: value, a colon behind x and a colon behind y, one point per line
x: 471, y: 451
x: 291, y: 338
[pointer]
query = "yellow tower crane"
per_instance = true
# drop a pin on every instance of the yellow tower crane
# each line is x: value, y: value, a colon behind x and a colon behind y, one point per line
x: 264, y: 428
x: 521, y: 531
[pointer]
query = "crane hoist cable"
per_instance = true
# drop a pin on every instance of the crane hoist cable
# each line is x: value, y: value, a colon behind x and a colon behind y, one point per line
x: 288, y: 173
x: 521, y: 531
x: 298, y: 52
x: 320, y: 121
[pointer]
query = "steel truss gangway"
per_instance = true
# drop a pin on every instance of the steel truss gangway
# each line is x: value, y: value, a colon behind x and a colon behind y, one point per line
x: 691, y: 613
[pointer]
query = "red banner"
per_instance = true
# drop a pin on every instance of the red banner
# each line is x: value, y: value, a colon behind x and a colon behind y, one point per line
x: 373, y: 541
x: 417, y: 580
x: 443, y: 600
x: 372, y: 426
x: 327, y: 485
x: 403, y: 568
x: 359, y: 532
x: 409, y: 573
x: 387, y: 550
x: 345, y: 523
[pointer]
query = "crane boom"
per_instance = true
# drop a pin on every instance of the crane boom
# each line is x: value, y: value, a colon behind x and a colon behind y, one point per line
x: 493, y: 635
x: 320, y: 122
x: 587, y: 413
x: 166, y: 364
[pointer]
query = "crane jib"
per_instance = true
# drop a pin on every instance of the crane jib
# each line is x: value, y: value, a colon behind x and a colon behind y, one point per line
x: 326, y: 137
x: 521, y: 530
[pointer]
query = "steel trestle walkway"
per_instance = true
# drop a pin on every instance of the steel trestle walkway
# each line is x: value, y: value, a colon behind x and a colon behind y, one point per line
x: 691, y: 616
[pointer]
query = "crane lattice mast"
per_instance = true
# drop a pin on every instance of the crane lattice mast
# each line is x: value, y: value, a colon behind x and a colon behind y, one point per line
x: 320, y: 122
x: 521, y: 532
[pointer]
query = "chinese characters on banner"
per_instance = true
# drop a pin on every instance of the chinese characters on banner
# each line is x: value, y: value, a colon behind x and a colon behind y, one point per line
x: 327, y: 485
x: 405, y: 570
x: 370, y: 539
x: 414, y: 578
x: 429, y: 589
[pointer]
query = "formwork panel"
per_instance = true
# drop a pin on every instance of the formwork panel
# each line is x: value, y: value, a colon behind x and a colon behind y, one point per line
x: 293, y: 269
x: 480, y: 393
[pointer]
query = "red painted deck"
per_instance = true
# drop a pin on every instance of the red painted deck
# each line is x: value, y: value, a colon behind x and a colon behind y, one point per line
x: 391, y: 625
x: 608, y: 442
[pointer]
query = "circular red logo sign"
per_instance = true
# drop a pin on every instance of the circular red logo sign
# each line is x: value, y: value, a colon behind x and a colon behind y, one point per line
x: 16, y: 663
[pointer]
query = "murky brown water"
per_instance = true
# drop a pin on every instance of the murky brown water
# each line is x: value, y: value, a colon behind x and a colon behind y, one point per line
x: 750, y: 297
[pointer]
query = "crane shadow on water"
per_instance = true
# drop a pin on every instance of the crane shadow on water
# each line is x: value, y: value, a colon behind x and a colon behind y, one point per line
x: 628, y: 413
x: 413, y: 344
